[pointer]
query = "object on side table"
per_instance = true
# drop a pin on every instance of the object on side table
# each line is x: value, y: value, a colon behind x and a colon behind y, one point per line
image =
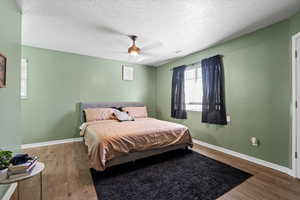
x: 20, y: 159
x: 3, y: 174
x: 16, y: 171
x: 21, y: 169
x: 5, y: 157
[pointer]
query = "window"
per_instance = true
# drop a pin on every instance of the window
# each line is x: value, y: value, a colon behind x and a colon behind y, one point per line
x: 23, y: 79
x: 193, y: 88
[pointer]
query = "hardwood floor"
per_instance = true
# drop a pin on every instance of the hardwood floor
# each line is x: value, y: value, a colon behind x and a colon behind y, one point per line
x: 67, y: 177
x: 66, y: 174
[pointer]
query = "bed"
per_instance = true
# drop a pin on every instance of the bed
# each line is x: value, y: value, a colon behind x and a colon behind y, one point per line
x: 110, y: 142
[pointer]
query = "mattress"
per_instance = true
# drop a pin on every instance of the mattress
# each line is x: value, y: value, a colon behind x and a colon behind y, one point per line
x: 109, y: 139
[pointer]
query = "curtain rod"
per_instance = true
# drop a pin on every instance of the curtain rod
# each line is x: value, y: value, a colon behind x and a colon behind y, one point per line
x: 195, y: 63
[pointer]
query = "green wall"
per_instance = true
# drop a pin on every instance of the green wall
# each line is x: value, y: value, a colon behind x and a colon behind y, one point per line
x: 10, y: 40
x: 258, y: 93
x: 57, y: 81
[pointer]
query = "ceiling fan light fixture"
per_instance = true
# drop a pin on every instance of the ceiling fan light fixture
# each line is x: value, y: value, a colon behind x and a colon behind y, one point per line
x: 133, y: 50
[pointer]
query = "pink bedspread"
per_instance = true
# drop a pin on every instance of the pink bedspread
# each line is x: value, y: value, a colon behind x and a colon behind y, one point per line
x: 109, y: 139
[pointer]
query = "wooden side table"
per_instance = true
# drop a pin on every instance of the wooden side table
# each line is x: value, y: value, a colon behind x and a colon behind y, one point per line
x: 38, y: 169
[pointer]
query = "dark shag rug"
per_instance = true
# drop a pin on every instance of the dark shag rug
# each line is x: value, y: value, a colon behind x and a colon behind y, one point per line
x: 175, y: 175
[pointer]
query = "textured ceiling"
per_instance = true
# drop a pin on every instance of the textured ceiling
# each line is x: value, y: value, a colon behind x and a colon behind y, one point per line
x: 99, y: 27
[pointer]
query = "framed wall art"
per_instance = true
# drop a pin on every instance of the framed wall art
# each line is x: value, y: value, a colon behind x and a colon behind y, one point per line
x: 3, y: 62
x: 127, y: 73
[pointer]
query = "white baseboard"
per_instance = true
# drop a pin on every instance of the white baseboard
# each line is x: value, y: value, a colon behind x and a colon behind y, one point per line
x: 246, y: 157
x: 283, y: 169
x: 12, y: 188
x: 53, y: 142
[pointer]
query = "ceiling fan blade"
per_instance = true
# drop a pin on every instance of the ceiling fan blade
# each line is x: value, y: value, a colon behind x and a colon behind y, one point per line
x: 147, y: 54
x: 119, y: 52
x: 111, y: 31
x: 152, y: 46
x: 141, y: 59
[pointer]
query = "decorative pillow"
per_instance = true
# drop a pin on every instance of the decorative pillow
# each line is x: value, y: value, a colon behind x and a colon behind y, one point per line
x: 123, y: 116
x: 117, y: 108
x: 96, y: 114
x: 136, y: 112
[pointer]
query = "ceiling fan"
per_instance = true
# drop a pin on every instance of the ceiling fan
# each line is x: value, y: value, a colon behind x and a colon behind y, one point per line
x: 140, y: 54
x: 134, y: 52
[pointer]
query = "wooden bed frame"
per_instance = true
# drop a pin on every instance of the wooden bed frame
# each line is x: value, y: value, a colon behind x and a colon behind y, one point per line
x: 134, y: 155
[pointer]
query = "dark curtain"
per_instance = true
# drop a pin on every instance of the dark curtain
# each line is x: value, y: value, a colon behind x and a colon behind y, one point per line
x: 213, y: 108
x: 178, y: 98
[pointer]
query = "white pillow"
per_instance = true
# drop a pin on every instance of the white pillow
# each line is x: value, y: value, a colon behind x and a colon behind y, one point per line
x: 122, y: 116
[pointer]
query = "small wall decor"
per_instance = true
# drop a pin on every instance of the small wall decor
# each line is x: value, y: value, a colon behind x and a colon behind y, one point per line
x: 127, y: 73
x: 3, y: 61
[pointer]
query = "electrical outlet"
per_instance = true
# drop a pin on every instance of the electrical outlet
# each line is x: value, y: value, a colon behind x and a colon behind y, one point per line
x: 254, y: 141
x: 228, y: 118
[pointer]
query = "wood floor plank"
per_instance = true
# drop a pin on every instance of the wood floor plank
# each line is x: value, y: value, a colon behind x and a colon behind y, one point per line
x: 67, y: 177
